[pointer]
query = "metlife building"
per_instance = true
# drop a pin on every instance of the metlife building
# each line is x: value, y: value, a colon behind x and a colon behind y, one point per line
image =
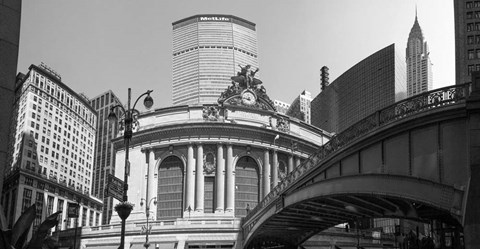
x: 207, y: 50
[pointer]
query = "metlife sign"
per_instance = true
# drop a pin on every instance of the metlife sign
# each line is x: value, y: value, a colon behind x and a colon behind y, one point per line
x: 214, y: 19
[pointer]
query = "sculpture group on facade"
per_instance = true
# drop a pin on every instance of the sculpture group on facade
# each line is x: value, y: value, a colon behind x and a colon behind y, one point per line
x: 246, y: 77
x: 245, y: 80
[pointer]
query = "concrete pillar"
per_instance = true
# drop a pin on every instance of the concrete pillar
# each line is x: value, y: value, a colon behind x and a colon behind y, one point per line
x: 190, y: 182
x: 230, y: 179
x: 290, y: 163
x: 274, y: 170
x: 266, y: 173
x: 200, y: 180
x: 220, y: 180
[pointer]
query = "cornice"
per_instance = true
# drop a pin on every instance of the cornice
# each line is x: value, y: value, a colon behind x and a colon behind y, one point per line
x: 224, y: 133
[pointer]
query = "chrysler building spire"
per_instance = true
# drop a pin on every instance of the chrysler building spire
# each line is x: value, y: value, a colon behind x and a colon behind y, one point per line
x: 419, y: 67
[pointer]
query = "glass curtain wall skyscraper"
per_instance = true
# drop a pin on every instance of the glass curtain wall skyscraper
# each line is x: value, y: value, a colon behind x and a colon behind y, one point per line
x: 207, y: 50
x: 419, y: 67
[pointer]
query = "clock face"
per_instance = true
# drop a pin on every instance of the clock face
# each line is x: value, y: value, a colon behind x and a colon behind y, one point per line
x: 248, y: 98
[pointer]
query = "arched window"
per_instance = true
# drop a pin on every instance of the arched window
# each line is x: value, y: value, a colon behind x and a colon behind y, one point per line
x: 170, y: 188
x: 246, y: 186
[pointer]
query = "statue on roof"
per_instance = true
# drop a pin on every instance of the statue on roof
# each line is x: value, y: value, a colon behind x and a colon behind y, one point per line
x: 246, y: 77
x: 246, y: 90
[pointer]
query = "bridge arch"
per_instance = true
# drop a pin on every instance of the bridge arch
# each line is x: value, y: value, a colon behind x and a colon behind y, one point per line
x: 298, y: 215
x: 411, y: 160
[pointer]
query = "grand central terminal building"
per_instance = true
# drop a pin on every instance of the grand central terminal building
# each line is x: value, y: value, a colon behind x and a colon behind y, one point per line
x: 198, y: 169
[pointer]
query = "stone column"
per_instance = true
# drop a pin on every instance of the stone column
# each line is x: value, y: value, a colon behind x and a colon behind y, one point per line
x: 190, y: 182
x: 297, y: 161
x: 290, y: 163
x: 152, y: 187
x: 200, y: 184
x: 274, y: 171
x: 220, y: 180
x: 230, y: 179
x: 266, y: 173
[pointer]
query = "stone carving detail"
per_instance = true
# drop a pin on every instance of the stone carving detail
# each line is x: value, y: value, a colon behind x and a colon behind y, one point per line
x: 283, y: 125
x: 210, y: 113
x: 209, y: 161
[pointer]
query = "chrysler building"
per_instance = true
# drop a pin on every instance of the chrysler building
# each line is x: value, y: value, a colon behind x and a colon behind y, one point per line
x: 419, y: 67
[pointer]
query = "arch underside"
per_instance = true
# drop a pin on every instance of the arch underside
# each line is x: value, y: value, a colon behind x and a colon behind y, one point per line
x: 298, y: 215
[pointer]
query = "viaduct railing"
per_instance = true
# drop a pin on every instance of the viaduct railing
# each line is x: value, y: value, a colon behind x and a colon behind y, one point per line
x: 434, y: 99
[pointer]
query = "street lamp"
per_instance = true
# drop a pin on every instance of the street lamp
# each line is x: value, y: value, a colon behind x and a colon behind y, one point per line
x: 130, y: 117
x: 147, y: 213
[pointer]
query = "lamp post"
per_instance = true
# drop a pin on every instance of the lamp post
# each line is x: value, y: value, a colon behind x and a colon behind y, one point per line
x: 130, y: 117
x: 147, y: 213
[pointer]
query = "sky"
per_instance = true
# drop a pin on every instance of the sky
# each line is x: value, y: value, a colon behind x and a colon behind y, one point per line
x: 116, y: 44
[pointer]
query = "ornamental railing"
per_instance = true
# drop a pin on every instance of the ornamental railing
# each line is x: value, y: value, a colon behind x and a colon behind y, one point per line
x: 403, y: 109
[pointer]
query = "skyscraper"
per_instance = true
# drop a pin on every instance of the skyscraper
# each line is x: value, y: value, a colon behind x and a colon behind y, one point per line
x: 51, y: 150
x: 419, y: 67
x: 207, y: 50
x: 9, y: 43
x: 467, y: 39
x: 370, y: 85
x: 104, y: 164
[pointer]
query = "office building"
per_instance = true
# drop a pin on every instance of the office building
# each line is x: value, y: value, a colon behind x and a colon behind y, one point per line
x: 467, y: 39
x: 419, y: 67
x: 51, y: 151
x: 370, y: 85
x: 9, y: 43
x: 104, y: 161
x: 300, y: 107
x: 281, y: 106
x: 207, y: 50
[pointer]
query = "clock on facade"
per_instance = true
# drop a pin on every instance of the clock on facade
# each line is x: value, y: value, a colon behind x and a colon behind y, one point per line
x: 248, y: 98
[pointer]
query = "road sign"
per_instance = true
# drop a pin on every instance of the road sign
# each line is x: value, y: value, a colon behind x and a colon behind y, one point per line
x: 114, y: 187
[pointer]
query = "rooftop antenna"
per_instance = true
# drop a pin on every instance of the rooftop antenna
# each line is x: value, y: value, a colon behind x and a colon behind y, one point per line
x: 415, y: 12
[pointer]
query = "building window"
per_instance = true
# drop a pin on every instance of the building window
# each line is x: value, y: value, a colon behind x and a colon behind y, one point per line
x: 471, y: 54
x: 469, y: 5
x: 90, y: 220
x: 246, y: 186
x: 170, y: 188
x: 38, y: 211
x: 470, y: 69
x: 97, y: 219
x: 28, y: 181
x: 50, y: 200
x: 470, y: 15
x: 27, y: 199
x: 470, y: 27
x: 84, y: 217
